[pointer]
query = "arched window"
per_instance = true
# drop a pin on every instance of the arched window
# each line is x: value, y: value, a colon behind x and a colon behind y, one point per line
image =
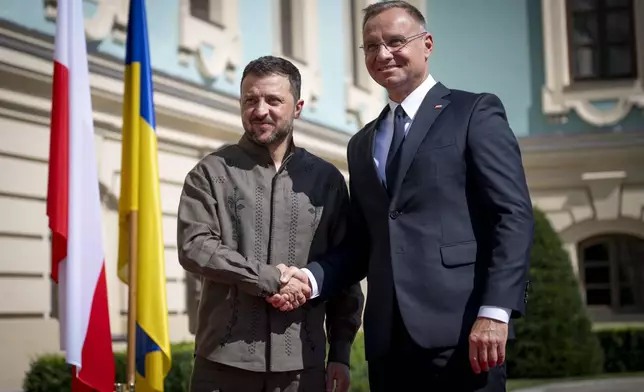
x: 612, y: 272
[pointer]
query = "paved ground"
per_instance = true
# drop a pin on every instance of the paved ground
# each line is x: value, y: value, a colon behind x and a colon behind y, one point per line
x: 634, y: 384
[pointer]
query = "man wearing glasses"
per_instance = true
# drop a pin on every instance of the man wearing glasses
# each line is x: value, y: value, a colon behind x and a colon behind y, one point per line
x: 441, y: 222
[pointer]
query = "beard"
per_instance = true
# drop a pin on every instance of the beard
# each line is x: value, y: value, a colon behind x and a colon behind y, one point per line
x: 276, y: 136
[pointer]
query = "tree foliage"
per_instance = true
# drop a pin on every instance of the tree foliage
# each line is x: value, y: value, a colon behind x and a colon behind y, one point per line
x: 555, y: 338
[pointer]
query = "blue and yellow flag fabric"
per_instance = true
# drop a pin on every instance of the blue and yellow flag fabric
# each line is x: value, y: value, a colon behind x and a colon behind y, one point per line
x: 140, y: 196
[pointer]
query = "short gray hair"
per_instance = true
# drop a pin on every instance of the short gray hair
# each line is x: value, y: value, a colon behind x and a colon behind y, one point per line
x: 376, y: 8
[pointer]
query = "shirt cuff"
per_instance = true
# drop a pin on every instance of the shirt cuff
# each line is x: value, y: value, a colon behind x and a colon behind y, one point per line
x: 500, y: 314
x: 312, y: 282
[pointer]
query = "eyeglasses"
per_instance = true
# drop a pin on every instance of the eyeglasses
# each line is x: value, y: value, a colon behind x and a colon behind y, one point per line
x: 392, y: 45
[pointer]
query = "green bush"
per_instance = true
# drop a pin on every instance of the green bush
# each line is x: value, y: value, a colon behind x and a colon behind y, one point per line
x: 623, y: 349
x: 50, y: 373
x: 555, y: 338
x: 359, y: 370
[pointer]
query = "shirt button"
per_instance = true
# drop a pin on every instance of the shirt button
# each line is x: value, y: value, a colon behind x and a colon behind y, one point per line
x: 394, y: 214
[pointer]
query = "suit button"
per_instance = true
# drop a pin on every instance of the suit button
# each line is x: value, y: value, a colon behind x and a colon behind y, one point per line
x: 394, y: 214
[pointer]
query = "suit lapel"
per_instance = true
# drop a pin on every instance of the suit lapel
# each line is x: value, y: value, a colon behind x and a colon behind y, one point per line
x: 429, y: 110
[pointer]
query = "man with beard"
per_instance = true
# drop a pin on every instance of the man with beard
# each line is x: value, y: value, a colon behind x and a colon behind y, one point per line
x: 245, y: 209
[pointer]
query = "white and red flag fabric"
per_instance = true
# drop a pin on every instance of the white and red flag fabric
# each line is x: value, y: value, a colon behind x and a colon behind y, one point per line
x: 74, y: 211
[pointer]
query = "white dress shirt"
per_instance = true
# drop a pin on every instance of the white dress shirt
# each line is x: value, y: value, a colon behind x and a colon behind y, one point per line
x: 384, y: 134
x: 386, y: 129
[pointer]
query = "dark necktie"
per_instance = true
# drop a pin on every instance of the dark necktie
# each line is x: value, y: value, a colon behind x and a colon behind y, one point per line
x: 393, y: 157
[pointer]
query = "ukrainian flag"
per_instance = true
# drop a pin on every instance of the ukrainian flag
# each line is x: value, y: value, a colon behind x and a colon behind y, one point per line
x: 140, y: 197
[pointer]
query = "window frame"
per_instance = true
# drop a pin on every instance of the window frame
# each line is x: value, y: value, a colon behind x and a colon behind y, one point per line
x: 364, y: 97
x: 615, y: 284
x: 199, y: 38
x: 561, y: 95
x: 305, y: 36
x: 209, y: 19
x: 601, y: 43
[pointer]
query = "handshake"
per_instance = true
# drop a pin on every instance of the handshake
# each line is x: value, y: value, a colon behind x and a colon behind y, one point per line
x: 295, y: 290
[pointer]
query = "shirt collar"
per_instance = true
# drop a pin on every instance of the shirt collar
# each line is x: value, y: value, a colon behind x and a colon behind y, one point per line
x: 260, y: 153
x: 415, y: 99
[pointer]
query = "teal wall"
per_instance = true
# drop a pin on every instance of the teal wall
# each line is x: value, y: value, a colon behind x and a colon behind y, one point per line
x: 497, y: 46
x: 256, y: 36
x: 482, y: 46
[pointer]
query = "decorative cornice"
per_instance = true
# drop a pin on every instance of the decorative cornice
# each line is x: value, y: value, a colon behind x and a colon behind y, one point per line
x: 31, y: 54
x: 581, y: 141
x: 110, y: 18
x: 305, y: 34
x: 560, y: 95
x: 198, y: 37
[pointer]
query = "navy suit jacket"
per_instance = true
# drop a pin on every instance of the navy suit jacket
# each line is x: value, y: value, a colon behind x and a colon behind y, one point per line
x: 454, y: 235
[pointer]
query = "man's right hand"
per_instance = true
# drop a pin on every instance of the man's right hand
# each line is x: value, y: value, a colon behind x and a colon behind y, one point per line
x: 295, y: 289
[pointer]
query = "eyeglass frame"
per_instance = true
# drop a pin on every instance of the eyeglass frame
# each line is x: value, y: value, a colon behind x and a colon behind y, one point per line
x: 406, y: 41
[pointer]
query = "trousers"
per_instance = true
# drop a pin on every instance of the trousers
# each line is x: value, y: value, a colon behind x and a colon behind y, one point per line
x: 409, y: 367
x: 209, y: 376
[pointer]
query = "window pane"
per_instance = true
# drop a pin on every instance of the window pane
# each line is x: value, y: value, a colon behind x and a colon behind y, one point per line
x: 355, y: 56
x: 597, y: 252
x: 617, y: 3
x: 597, y: 274
x: 287, y: 27
x: 200, y: 9
x: 626, y: 297
x: 584, y: 31
x: 623, y: 274
x: 620, y: 61
x: 598, y: 297
x: 582, y: 5
x: 618, y: 27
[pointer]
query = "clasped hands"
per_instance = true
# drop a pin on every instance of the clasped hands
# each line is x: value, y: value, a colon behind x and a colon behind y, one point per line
x: 295, y: 289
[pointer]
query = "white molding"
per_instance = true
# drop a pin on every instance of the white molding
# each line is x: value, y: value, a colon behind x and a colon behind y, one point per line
x: 110, y: 19
x: 306, y: 14
x: 364, y: 97
x: 560, y: 96
x: 198, y: 37
x: 29, y: 77
x: 583, y: 230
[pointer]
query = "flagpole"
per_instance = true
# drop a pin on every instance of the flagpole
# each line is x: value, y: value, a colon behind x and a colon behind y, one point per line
x: 132, y: 296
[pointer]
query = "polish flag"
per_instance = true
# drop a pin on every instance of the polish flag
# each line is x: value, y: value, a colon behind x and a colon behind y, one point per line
x: 74, y: 211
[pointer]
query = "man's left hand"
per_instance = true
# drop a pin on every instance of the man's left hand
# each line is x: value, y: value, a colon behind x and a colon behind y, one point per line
x: 338, y: 375
x: 487, y: 344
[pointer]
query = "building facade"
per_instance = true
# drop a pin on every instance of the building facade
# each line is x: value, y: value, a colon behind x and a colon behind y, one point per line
x: 571, y: 76
x: 570, y: 73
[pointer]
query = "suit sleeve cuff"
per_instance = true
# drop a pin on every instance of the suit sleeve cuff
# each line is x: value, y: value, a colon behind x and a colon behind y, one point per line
x: 314, y: 285
x: 340, y: 351
x: 500, y: 314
